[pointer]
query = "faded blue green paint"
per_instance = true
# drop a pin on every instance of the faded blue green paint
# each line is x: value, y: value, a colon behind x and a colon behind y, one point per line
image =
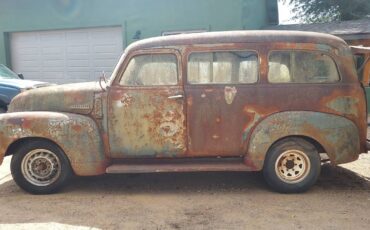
x: 72, y: 98
x: 151, y: 17
x: 344, y: 105
x: 86, y: 156
x: 324, y: 47
x: 338, y: 135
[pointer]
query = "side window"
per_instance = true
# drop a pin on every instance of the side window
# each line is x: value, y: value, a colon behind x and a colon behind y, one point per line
x: 151, y: 70
x: 301, y: 67
x: 223, y: 68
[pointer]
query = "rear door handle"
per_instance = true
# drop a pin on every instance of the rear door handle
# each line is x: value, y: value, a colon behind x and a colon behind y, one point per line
x: 180, y: 96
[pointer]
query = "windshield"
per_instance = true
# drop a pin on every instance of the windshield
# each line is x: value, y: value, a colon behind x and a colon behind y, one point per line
x: 6, y: 73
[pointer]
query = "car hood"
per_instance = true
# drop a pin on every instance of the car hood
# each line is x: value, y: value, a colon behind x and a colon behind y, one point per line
x: 23, y: 84
x: 73, y: 98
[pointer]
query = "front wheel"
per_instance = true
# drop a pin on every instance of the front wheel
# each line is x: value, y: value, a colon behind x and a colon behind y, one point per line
x: 40, y: 167
x: 292, y: 165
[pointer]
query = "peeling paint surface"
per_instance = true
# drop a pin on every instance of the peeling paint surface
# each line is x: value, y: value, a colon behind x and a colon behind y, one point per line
x: 336, y: 134
x: 144, y: 122
x: 77, y: 135
x: 97, y: 127
x: 345, y: 105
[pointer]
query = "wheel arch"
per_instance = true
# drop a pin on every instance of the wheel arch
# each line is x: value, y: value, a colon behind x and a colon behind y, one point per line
x: 335, y: 135
x: 318, y: 146
x: 76, y: 135
x: 21, y: 141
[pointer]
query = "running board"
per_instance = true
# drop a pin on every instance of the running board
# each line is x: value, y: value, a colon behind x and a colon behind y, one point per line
x: 175, y: 165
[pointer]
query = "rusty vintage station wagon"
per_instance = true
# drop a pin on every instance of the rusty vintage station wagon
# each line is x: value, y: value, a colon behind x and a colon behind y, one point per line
x: 277, y: 102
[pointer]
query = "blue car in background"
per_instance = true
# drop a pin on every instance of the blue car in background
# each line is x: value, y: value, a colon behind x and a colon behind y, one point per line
x: 12, y: 84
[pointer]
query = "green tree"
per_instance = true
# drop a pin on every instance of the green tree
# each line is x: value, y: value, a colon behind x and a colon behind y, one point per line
x: 313, y: 11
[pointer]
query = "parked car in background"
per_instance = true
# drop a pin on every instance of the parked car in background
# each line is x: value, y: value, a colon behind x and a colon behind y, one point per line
x: 12, y: 84
x: 277, y: 102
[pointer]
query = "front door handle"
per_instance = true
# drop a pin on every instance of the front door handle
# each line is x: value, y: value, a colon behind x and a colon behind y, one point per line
x: 180, y: 96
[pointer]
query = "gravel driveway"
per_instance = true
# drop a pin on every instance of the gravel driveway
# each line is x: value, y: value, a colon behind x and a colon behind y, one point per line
x: 340, y: 200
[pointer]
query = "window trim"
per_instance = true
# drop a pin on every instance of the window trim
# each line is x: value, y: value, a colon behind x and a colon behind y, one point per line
x: 223, y: 51
x: 129, y: 57
x: 301, y: 83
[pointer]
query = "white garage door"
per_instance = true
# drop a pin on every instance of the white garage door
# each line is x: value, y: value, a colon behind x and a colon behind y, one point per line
x: 65, y: 56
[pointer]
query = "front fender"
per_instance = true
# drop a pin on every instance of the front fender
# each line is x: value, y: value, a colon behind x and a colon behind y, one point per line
x: 337, y: 135
x: 77, y: 135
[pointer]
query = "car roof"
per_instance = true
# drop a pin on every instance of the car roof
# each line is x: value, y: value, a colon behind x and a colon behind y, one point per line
x: 251, y: 36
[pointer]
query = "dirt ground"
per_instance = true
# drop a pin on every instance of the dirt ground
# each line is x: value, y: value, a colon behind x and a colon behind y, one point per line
x: 340, y: 200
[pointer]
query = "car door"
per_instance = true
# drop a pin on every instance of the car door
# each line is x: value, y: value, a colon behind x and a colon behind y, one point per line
x: 146, y: 107
x: 221, y: 97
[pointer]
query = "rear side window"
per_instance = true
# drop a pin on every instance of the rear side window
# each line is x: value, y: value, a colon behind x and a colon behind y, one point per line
x: 223, y: 68
x: 301, y: 67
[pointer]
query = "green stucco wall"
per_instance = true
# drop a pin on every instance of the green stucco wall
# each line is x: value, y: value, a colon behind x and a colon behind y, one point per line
x: 151, y: 17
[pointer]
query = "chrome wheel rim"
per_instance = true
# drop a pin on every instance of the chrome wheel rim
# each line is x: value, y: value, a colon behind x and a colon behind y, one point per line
x: 292, y: 166
x: 41, y: 167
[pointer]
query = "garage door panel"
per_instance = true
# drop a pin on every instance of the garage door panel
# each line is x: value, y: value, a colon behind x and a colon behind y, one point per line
x: 105, y: 49
x: 78, y: 63
x: 54, y: 63
x: 31, y: 64
x: 26, y: 40
x: 103, y: 63
x: 77, y: 37
x: 98, y: 74
x: 52, y: 50
x: 50, y: 38
x: 82, y: 49
x: 73, y: 57
x: 64, y: 56
x: 27, y: 51
x: 54, y: 75
x: 33, y: 75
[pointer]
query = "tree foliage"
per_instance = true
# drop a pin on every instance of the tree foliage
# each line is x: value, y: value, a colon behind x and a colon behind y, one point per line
x: 313, y: 11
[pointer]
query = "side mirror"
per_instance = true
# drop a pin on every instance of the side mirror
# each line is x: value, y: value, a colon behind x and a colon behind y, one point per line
x: 101, y: 80
x: 21, y: 76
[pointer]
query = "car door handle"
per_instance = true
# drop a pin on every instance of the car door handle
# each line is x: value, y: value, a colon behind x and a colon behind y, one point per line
x: 180, y: 96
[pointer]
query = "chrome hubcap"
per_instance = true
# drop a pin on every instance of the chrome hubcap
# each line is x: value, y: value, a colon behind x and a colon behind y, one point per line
x: 292, y: 166
x: 41, y: 167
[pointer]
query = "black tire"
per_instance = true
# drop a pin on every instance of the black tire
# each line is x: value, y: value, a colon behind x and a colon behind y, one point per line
x: 292, y: 165
x: 47, y: 171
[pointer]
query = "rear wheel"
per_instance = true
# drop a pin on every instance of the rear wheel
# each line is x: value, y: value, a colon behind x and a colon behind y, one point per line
x: 292, y: 165
x: 40, y: 167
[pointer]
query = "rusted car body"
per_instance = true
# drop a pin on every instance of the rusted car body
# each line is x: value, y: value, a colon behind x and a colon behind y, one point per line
x: 202, y: 119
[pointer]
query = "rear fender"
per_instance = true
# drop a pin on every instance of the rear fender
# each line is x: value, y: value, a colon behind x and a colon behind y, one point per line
x: 78, y: 136
x: 337, y: 135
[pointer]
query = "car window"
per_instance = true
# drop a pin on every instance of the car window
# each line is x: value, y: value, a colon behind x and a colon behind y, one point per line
x: 223, y: 68
x: 6, y: 73
x: 151, y: 70
x: 301, y: 67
